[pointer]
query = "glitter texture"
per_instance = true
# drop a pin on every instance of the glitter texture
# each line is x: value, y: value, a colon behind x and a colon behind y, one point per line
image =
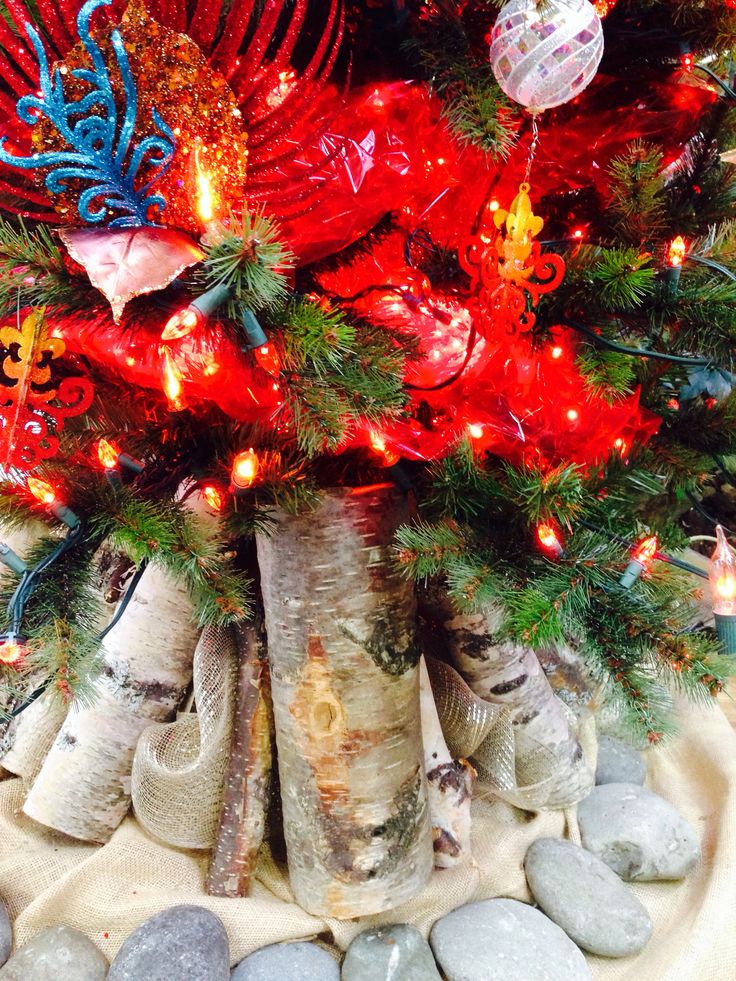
x: 196, y: 103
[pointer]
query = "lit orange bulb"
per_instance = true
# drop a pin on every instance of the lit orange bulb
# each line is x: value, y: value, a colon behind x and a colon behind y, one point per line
x: 268, y: 358
x: 573, y: 415
x: 676, y: 252
x: 475, y: 431
x: 213, y: 497
x: 172, y: 382
x: 205, y: 194
x: 108, y: 455
x: 722, y: 575
x: 493, y: 205
x: 378, y: 445
x: 245, y: 469
x: 11, y: 651
x: 548, y: 539
x: 43, y: 492
x: 621, y: 445
x: 645, y: 551
x: 182, y: 323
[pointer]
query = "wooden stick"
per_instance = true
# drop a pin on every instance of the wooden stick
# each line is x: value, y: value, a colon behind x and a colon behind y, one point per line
x: 345, y: 679
x: 247, y: 783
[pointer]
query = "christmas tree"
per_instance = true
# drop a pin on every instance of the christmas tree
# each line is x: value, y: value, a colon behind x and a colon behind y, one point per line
x: 368, y: 368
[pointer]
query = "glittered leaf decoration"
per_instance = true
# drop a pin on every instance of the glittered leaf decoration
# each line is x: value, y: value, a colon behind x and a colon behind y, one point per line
x: 126, y: 263
x: 94, y: 149
x: 33, y: 406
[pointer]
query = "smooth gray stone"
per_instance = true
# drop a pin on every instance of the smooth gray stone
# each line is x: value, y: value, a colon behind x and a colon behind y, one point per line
x: 390, y: 953
x: 58, y: 953
x: 184, y: 943
x: 637, y: 833
x: 504, y: 940
x: 586, y: 898
x: 287, y: 962
x: 618, y: 763
x: 6, y: 933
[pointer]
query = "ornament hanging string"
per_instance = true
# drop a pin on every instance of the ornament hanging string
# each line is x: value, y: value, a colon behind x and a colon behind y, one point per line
x: 532, y: 147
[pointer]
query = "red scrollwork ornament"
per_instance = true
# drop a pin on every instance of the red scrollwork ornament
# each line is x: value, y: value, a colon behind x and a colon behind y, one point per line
x: 33, y: 406
x: 507, y: 268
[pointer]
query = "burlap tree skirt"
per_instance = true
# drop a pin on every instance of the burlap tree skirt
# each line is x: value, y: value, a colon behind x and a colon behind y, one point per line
x: 106, y: 891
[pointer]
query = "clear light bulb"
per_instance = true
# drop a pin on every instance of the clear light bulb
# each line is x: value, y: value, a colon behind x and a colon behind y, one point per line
x: 722, y: 575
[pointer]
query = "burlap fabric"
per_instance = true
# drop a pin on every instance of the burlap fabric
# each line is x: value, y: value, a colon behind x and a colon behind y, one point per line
x: 106, y: 891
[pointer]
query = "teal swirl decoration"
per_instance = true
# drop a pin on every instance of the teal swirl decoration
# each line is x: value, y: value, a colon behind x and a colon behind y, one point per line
x: 100, y: 150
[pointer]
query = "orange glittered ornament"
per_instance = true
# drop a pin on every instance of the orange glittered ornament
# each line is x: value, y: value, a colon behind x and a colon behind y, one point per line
x: 173, y: 77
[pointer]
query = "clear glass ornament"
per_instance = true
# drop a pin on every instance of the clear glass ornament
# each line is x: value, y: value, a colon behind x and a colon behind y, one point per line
x: 545, y: 52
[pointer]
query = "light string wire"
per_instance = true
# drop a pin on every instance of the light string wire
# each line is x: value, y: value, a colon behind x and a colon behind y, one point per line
x: 122, y: 605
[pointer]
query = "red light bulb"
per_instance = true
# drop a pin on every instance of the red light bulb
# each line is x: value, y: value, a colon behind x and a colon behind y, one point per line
x: 214, y: 497
x: 245, y: 469
x: 172, y: 382
x: 475, y: 430
x: 108, y: 455
x: 268, y: 358
x: 183, y: 322
x: 556, y: 352
x: 676, y: 252
x: 43, y: 492
x: 687, y: 61
x: 549, y: 540
x: 378, y: 445
x: 12, y: 650
x: 645, y: 551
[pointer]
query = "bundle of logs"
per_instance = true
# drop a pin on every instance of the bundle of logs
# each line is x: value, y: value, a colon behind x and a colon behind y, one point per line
x: 331, y: 682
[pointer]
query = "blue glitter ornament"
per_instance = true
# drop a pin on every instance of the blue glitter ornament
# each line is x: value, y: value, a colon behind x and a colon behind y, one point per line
x: 100, y: 141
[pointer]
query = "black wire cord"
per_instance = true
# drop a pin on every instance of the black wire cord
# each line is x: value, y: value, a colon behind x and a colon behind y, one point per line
x: 122, y: 605
x: 659, y: 556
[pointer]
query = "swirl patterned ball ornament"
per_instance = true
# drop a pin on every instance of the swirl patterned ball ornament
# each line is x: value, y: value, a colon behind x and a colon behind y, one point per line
x: 545, y: 52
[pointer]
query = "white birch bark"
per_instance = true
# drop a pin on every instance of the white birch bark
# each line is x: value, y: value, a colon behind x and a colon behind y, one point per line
x: 32, y: 735
x: 83, y: 788
x: 449, y: 783
x: 509, y: 674
x: 345, y: 684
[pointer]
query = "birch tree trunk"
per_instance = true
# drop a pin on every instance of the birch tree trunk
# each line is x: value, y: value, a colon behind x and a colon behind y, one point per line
x: 450, y: 785
x: 83, y: 788
x: 247, y: 782
x: 510, y: 674
x: 345, y: 682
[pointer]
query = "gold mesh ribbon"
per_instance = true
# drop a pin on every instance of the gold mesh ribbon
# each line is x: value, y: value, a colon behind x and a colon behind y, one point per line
x: 179, y: 767
x: 483, y: 732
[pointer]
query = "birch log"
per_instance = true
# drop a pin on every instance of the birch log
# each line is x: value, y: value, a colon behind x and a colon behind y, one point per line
x: 450, y: 785
x: 510, y: 674
x: 247, y: 782
x: 83, y: 788
x: 21, y: 540
x: 32, y: 735
x: 345, y: 682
